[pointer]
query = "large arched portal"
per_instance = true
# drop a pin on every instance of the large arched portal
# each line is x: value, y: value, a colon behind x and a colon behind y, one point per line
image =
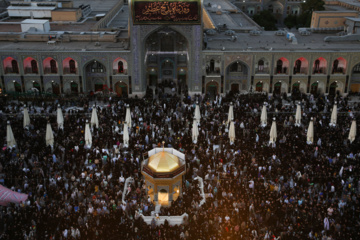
x: 95, y: 76
x: 166, y: 58
x: 237, y: 73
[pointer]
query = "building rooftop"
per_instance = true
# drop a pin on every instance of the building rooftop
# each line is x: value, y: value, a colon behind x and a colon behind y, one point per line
x: 120, y: 21
x: 230, y: 15
x: 64, y: 46
x: 268, y: 41
x: 163, y: 162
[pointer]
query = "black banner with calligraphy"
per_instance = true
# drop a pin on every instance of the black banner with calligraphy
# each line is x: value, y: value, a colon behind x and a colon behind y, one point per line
x: 166, y: 12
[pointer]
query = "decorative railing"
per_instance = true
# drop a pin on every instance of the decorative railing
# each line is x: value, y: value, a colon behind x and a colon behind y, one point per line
x: 319, y: 71
x: 116, y: 72
x: 50, y: 70
x: 9, y: 70
x: 70, y: 71
x: 30, y: 71
x: 172, y: 174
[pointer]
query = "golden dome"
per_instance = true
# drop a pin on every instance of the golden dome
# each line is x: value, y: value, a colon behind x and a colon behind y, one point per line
x: 163, y: 162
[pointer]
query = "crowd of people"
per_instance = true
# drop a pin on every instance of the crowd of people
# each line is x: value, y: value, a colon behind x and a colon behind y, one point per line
x: 254, y: 190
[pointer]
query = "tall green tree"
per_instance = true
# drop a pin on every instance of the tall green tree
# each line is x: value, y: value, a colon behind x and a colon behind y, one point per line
x: 312, y: 5
x: 307, y: 8
x: 265, y: 19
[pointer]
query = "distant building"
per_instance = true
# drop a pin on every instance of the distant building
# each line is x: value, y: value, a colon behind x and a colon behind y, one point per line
x: 213, y: 48
x: 280, y: 8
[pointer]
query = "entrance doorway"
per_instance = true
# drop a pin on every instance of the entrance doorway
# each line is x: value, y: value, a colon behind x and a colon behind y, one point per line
x: 212, y: 89
x: 121, y: 89
x: 235, y: 88
x: 296, y: 88
x: 259, y: 87
x: 277, y: 88
x: 95, y: 76
x: 37, y: 86
x: 163, y: 197
x: 181, y: 80
x: 98, y: 87
x: 17, y: 87
x: 332, y: 90
x: 314, y: 88
x: 55, y: 88
x: 74, y: 87
x: 153, y: 77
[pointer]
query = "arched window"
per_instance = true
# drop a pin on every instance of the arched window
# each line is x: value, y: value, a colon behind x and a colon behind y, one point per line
x: 34, y: 68
x: 167, y: 43
x: 72, y: 66
x: 14, y: 66
x: 259, y: 86
x: 120, y: 67
x: 236, y: 67
x: 261, y: 66
x: 335, y: 66
x: 279, y: 65
x: 97, y: 67
x: 53, y: 67
x: 317, y: 66
x: 297, y: 66
x: 356, y: 69
x: 339, y: 66
x: 212, y: 65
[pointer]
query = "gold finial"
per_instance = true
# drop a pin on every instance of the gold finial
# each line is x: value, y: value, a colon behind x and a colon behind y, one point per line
x: 163, y: 142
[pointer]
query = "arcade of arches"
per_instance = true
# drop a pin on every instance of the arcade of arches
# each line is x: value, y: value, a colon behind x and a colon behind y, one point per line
x: 167, y: 61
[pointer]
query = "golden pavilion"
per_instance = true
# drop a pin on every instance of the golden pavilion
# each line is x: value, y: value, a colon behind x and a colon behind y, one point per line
x: 163, y: 171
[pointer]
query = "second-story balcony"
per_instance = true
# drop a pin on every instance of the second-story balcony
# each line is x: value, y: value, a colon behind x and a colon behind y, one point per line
x: 339, y: 70
x: 301, y: 71
x: 117, y: 72
x: 50, y: 70
x: 262, y: 71
x: 215, y: 71
x: 70, y: 71
x: 279, y: 71
x: 9, y: 70
x: 30, y: 70
x: 319, y: 71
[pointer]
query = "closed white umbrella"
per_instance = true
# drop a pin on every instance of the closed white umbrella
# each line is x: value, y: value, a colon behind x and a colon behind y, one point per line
x: 273, y: 132
x: 298, y: 116
x: 263, y: 118
x: 352, y: 133
x: 232, y: 132
x: 26, y: 117
x: 88, y: 137
x: 333, y: 116
x: 126, y: 134
x: 10, y: 140
x: 128, y: 116
x: 49, y: 137
x: 94, y: 118
x: 195, y: 131
x: 231, y: 113
x: 197, y: 112
x: 59, y: 118
x: 310, y: 132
